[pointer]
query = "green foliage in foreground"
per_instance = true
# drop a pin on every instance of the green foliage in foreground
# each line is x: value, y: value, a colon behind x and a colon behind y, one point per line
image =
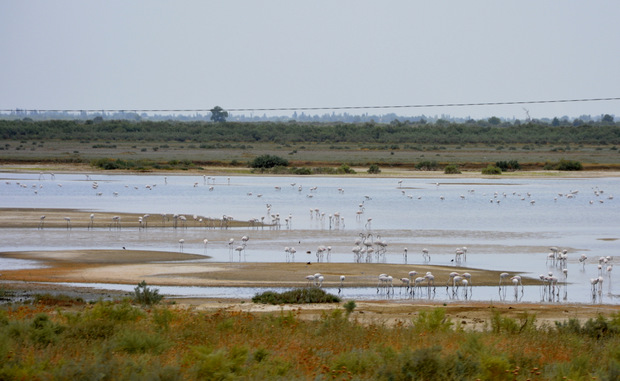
x: 296, y: 296
x: 121, y: 341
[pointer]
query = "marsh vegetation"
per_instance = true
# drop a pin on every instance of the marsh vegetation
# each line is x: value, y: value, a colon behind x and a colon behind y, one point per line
x: 70, y: 339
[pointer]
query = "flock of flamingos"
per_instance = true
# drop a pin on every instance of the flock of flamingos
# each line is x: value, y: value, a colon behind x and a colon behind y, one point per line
x: 369, y: 248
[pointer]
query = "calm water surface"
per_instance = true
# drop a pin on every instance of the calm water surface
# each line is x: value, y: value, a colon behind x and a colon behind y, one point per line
x: 506, y: 224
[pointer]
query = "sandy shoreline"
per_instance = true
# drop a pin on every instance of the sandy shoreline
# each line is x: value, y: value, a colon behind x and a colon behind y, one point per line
x: 131, y: 267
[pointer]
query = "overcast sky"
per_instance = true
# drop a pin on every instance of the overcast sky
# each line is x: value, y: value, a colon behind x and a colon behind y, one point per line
x: 149, y: 54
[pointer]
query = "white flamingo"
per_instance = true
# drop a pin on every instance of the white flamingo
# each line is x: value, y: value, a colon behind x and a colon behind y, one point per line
x: 425, y: 255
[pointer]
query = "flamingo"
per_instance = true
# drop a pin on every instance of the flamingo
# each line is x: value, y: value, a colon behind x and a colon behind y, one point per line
x: 239, y: 249
x: 430, y: 279
x: 206, y: 242
x: 341, y: 283
x: 92, y: 221
x: 417, y: 283
x: 181, y: 242
x: 502, y: 276
x: 41, y: 219
x: 425, y: 255
x: 68, y: 219
x: 318, y: 279
x: 516, y: 280
x: 405, y: 282
x: 467, y: 280
x: 451, y: 278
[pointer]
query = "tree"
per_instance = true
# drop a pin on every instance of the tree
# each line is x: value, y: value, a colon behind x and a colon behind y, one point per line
x: 218, y: 114
x: 268, y: 161
x: 494, y: 120
x: 607, y: 118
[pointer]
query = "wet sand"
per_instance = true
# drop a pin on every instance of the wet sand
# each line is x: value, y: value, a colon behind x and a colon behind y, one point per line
x: 133, y: 266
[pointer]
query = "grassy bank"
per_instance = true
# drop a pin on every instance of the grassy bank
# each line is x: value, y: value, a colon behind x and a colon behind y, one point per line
x: 188, y: 156
x: 119, y: 340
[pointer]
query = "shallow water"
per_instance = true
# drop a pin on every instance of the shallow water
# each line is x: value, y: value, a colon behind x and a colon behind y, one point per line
x: 512, y: 235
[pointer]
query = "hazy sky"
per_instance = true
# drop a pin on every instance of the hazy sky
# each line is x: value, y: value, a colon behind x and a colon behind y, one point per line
x: 149, y: 54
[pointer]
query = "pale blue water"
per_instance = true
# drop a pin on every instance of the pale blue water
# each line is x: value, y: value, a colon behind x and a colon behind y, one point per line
x: 511, y: 235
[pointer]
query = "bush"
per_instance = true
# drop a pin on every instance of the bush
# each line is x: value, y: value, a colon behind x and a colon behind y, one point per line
x: 564, y: 165
x: 145, y: 295
x: 296, y: 296
x: 427, y: 165
x: 491, y: 170
x: 451, y: 170
x: 511, y: 165
x: 344, y: 168
x: 268, y: 161
x: 374, y: 169
x: 569, y: 165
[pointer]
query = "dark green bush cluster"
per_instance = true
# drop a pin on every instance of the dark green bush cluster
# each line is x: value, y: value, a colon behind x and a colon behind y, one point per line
x: 374, y: 169
x: 511, y: 165
x: 451, y: 170
x: 491, y: 170
x: 296, y: 296
x: 104, y: 145
x: 268, y: 161
x: 140, y: 165
x: 427, y: 165
x: 146, y: 295
x: 564, y: 165
x: 598, y: 328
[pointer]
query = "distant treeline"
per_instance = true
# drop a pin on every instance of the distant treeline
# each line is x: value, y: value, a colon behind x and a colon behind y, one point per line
x: 440, y: 132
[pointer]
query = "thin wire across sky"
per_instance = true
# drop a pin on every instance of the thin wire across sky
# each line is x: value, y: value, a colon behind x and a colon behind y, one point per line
x: 331, y: 108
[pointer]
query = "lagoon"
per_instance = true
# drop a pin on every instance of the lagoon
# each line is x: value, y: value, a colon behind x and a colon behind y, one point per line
x: 506, y: 223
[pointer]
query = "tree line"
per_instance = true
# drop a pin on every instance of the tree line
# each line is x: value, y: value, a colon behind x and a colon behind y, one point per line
x: 604, y: 132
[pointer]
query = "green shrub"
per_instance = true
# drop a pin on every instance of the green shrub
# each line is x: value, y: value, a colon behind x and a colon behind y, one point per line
x: 427, y: 165
x: 491, y: 170
x: 135, y: 341
x: 374, y: 169
x: 43, y: 331
x: 433, y: 321
x: 268, y: 161
x: 146, y: 295
x: 569, y: 165
x: 296, y: 296
x: 302, y: 171
x: 511, y: 165
x: 118, y: 313
x: 350, y: 306
x: 344, y: 168
x: 451, y: 170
